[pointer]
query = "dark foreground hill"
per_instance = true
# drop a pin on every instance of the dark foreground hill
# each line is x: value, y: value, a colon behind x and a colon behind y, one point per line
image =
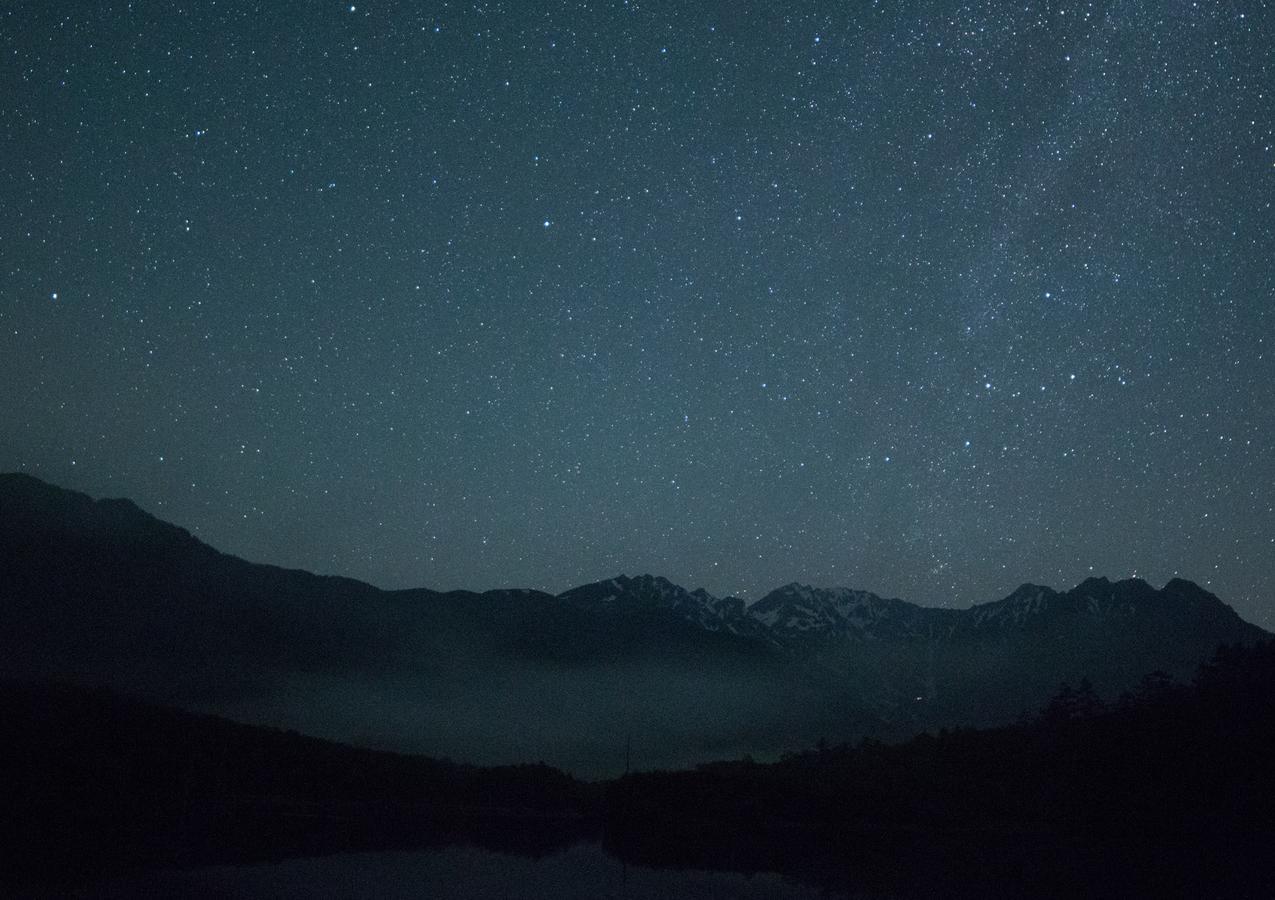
x: 100, y: 593
x: 96, y: 783
x: 1167, y: 792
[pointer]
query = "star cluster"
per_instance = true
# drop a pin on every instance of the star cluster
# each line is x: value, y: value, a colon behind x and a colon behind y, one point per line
x: 922, y: 298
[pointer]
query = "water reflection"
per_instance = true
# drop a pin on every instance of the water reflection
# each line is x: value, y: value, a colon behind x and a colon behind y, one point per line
x: 582, y: 871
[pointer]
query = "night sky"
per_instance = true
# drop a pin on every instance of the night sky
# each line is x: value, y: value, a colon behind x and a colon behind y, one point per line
x: 923, y: 299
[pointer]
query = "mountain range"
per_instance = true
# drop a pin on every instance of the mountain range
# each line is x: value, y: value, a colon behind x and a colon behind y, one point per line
x: 99, y: 592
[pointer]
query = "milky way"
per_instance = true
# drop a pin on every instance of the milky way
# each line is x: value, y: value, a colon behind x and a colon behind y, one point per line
x: 922, y: 299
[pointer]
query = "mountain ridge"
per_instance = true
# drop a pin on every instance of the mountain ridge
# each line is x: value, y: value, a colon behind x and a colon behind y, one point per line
x: 102, y: 593
x: 797, y: 611
x: 717, y: 611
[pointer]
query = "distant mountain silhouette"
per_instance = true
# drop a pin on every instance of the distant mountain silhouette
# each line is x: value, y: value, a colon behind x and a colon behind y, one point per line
x: 101, y: 593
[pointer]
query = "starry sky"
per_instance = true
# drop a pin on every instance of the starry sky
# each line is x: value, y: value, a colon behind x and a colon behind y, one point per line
x: 926, y: 299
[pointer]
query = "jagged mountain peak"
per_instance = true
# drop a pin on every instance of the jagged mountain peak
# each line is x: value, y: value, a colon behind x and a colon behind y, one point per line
x: 630, y: 586
x: 1103, y: 586
x: 1190, y: 592
x: 802, y: 611
x: 797, y: 588
x: 1099, y: 599
x: 646, y: 582
x: 698, y: 607
x: 1027, y: 601
x: 1030, y: 589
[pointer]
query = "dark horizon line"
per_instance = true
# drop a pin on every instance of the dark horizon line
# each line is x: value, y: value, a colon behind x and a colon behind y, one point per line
x: 748, y: 604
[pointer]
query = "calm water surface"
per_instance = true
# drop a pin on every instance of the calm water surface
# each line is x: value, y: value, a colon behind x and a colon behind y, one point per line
x: 581, y: 871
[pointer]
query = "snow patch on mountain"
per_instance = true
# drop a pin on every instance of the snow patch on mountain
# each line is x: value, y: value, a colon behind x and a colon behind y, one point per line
x: 799, y: 615
x: 699, y: 607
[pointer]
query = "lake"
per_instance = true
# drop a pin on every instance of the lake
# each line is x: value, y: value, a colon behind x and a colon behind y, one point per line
x: 584, y: 870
